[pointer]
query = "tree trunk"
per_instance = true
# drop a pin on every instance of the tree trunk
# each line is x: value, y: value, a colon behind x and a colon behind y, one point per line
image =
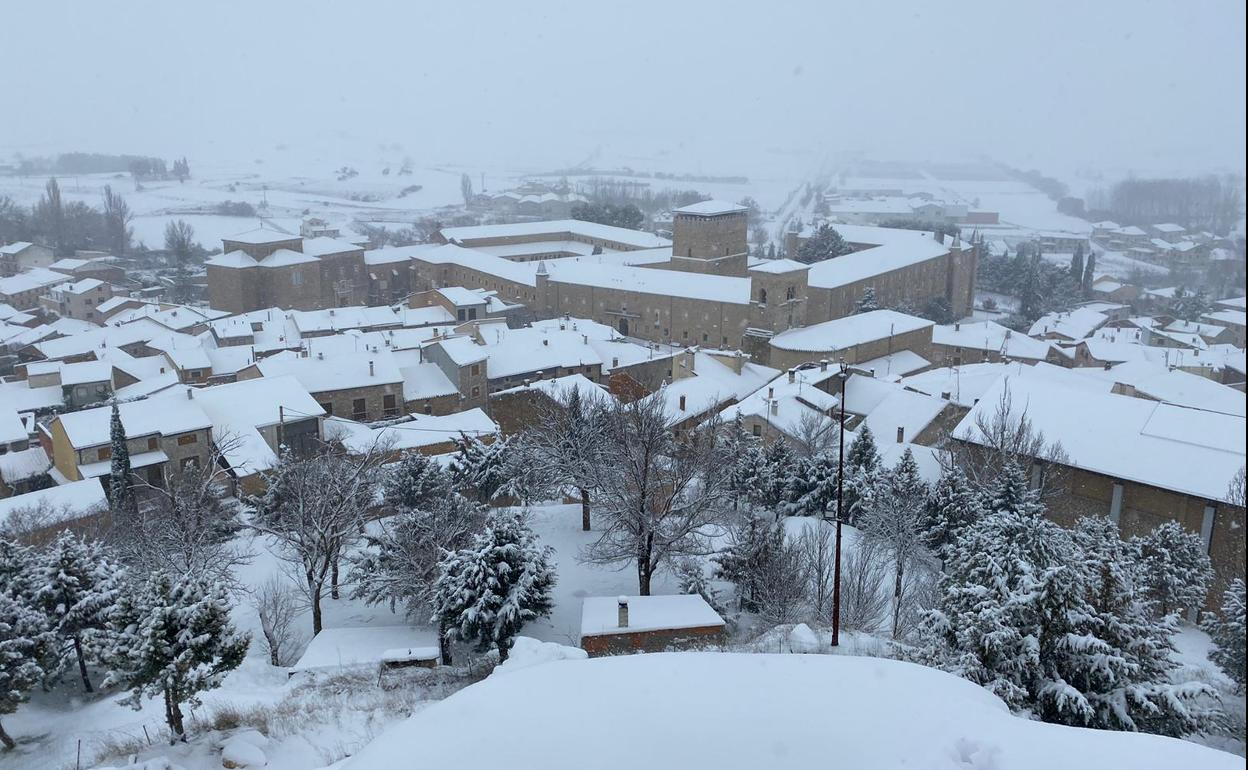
x: 8, y: 742
x: 584, y: 509
x: 444, y: 644
x: 504, y: 649
x: 174, y: 712
x: 82, y: 665
x: 643, y: 577
x: 333, y: 580
x: 897, y: 582
x: 316, y: 609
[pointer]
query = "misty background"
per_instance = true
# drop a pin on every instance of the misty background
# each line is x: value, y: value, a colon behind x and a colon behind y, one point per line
x: 702, y: 87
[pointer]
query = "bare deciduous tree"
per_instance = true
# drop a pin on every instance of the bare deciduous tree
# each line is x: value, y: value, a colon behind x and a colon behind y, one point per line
x: 818, y: 547
x: 660, y: 496
x: 864, y: 603
x: 314, y: 507
x: 278, y: 605
x: 1008, y: 436
x: 565, y: 443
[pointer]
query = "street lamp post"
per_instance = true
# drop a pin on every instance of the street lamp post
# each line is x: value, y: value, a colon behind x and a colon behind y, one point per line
x: 840, y: 501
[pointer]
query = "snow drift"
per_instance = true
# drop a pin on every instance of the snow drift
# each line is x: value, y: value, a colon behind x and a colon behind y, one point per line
x: 742, y: 712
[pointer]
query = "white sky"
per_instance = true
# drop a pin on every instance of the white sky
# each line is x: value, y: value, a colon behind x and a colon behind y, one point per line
x: 725, y: 87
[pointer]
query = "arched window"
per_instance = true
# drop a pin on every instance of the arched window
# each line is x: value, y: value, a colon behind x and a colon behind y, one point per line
x: 790, y: 293
x: 762, y: 296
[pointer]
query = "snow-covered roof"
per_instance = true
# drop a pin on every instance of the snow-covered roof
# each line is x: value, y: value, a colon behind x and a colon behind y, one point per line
x: 785, y: 405
x: 745, y: 711
x: 888, y: 249
x: 1167, y: 227
x: 1106, y: 224
x: 90, y: 427
x: 458, y: 295
x: 558, y: 227
x: 897, y: 364
x: 1234, y: 303
x: 714, y: 288
x: 710, y: 208
x: 1191, y: 451
x: 425, y: 380
x: 264, y: 234
x: 560, y: 387
x: 778, y: 266
x: 600, y: 614
x: 340, y: 371
x: 965, y: 384
x: 421, y: 430
x: 462, y: 350
x: 23, y: 398
x: 17, y: 247
x: 11, y: 428
x: 335, y: 648
x: 1130, y: 231
x: 849, y: 331
x: 81, y: 286
x: 712, y: 386
x: 27, y: 463
x: 35, y: 278
x: 322, y: 246
x: 67, y: 501
x: 1072, y: 324
x: 1229, y: 317
x: 1154, y: 380
x: 905, y: 409
x: 231, y: 259
x: 987, y: 335
x: 286, y: 258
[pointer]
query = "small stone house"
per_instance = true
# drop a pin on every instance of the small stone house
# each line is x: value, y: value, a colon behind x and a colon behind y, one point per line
x: 628, y: 624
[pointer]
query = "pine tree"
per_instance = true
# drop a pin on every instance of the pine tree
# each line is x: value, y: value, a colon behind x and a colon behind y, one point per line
x: 17, y: 571
x: 867, y: 302
x: 23, y: 645
x: 747, y: 458
x: 744, y: 560
x: 479, y: 467
x: 486, y: 592
x: 1125, y: 676
x: 1227, y: 630
x: 1011, y: 492
x: 1173, y: 568
x: 811, y: 489
x: 76, y: 586
x: 416, y: 482
x: 1076, y: 265
x: 691, y: 578
x: 826, y: 243
x: 120, y: 481
x: 862, y: 452
x: 1089, y: 273
x: 953, y: 506
x: 173, y: 638
x: 862, y: 474
x: 778, y: 466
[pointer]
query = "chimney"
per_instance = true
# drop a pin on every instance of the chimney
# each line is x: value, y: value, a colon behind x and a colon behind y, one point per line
x: 622, y: 614
x: 682, y: 403
x: 792, y: 376
x: 615, y: 362
x: 940, y: 237
x: 957, y: 326
x: 189, y: 392
x: 944, y: 394
x: 775, y: 407
x: 370, y: 369
x: 320, y: 355
x: 823, y: 364
x: 585, y: 339
x: 901, y: 434
x: 771, y: 393
x: 546, y: 343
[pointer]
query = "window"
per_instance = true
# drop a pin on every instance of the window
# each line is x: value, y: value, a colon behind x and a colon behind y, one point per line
x: 762, y: 296
x: 104, y: 453
x: 329, y: 408
x: 296, y: 278
x: 359, y: 409
x: 476, y: 369
x: 461, y: 314
x: 189, y: 438
x: 152, y: 443
x: 757, y: 430
x: 476, y: 392
x: 428, y: 407
x: 389, y: 405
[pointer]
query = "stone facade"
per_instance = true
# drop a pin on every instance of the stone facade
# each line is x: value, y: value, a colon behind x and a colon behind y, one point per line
x: 272, y: 274
x: 714, y: 244
x: 918, y: 341
x: 627, y: 642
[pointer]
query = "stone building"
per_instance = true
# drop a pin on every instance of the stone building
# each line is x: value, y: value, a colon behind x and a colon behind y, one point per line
x: 363, y: 386
x: 856, y: 338
x: 78, y: 299
x: 534, y: 241
x: 265, y: 268
x: 22, y: 291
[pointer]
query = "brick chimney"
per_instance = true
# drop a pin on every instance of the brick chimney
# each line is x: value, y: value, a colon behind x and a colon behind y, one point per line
x: 371, y: 370
x: 622, y: 614
x: 682, y: 403
x: 901, y: 434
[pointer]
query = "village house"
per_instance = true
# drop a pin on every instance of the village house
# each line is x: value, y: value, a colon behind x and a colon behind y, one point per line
x: 983, y: 341
x: 77, y: 299
x: 23, y: 255
x: 1234, y: 321
x: 365, y: 386
x: 23, y: 290
x: 87, y: 264
x: 854, y: 338
x: 37, y: 517
x: 533, y: 241
x: 629, y: 624
x: 524, y: 406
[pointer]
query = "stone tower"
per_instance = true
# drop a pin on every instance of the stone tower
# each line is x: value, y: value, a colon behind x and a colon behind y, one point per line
x: 710, y: 237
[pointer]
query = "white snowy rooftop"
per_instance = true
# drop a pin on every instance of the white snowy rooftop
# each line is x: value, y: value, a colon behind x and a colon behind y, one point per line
x: 987, y: 335
x: 710, y: 208
x: 557, y: 227
x: 343, y: 647
x: 778, y: 266
x: 261, y: 235
x: 1072, y: 324
x: 888, y: 249
x: 600, y: 614
x: 846, y: 332
x: 338, y: 371
x: 1191, y: 451
x: 67, y: 501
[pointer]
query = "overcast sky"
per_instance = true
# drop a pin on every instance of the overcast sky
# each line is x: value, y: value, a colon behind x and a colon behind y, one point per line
x: 695, y: 86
